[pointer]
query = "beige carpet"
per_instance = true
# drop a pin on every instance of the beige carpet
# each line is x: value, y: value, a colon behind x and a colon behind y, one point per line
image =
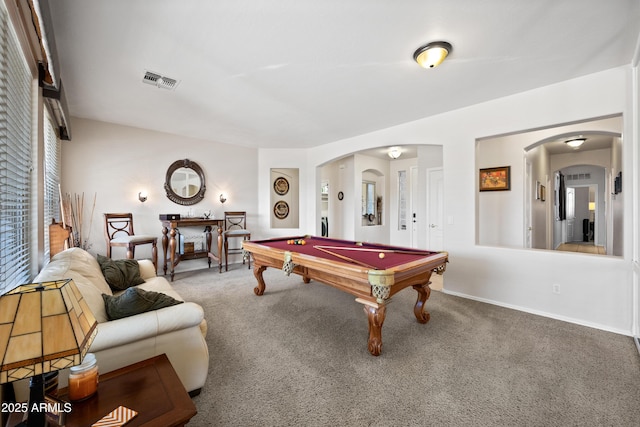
x: 297, y: 356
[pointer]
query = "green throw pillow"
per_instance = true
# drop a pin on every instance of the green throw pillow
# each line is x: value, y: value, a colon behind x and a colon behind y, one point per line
x: 135, y: 301
x: 121, y: 273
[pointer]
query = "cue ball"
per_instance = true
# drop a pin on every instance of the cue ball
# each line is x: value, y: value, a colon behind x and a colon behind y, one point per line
x: 381, y: 255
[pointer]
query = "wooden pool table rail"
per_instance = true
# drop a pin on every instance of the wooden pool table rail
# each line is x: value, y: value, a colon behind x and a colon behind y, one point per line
x: 372, y: 288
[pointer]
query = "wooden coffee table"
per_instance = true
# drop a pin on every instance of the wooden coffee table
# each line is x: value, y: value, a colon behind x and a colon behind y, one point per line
x: 151, y: 387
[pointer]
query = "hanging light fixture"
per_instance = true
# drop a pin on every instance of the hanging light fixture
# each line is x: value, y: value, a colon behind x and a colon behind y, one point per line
x: 432, y: 54
x: 394, y: 152
x: 575, y: 142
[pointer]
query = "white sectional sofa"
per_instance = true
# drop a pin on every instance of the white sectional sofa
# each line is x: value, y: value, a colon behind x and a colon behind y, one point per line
x: 178, y: 331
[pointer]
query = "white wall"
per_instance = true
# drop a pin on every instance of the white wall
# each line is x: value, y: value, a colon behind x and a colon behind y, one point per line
x: 339, y: 212
x: 618, y: 204
x: 541, y: 211
x: 516, y: 278
x: 335, y: 172
x: 283, y: 159
x: 500, y: 219
x: 373, y: 233
x: 608, y: 206
x: 595, y: 291
x: 291, y: 198
x: 603, y: 199
x: 501, y: 213
x: 634, y: 131
x: 117, y: 162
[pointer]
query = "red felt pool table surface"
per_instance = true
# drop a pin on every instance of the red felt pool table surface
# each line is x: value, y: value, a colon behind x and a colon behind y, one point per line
x: 354, y: 267
x: 365, y: 253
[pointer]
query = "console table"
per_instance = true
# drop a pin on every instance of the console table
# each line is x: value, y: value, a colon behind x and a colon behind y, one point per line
x: 169, y: 232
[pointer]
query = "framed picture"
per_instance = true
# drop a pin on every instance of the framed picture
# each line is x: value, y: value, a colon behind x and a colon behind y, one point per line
x: 281, y: 186
x: 495, y: 179
x: 617, y: 184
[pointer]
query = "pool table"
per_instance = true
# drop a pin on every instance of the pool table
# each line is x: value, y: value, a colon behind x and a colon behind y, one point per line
x: 371, y: 272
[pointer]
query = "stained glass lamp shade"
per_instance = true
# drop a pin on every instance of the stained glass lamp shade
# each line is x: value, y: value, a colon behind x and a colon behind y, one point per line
x: 44, y: 327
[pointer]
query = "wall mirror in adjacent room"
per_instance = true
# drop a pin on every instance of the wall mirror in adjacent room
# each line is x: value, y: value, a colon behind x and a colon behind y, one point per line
x: 369, y: 202
x: 184, y: 182
x: 565, y: 192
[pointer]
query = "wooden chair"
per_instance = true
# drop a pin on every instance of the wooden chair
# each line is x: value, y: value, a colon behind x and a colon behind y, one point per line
x: 235, y: 226
x: 118, y: 232
x: 59, y: 238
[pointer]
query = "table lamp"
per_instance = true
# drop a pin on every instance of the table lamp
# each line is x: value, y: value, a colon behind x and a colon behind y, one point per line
x: 44, y: 327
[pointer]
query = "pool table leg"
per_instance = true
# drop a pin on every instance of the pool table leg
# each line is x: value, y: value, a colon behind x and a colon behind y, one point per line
x: 376, y: 317
x: 424, y: 291
x: 257, y: 272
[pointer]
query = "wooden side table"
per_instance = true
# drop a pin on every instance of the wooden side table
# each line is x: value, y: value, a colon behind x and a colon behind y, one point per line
x: 151, y: 387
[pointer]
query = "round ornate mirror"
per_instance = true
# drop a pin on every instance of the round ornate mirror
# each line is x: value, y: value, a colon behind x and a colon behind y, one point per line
x: 184, y: 183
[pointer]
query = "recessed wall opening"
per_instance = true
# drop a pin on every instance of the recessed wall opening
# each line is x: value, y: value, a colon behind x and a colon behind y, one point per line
x: 560, y: 197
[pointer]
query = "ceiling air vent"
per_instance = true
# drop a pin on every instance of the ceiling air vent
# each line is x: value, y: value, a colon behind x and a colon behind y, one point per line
x: 151, y: 78
x: 157, y: 80
x: 167, y: 83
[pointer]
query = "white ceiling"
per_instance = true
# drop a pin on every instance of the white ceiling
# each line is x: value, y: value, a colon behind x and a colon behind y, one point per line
x: 302, y: 73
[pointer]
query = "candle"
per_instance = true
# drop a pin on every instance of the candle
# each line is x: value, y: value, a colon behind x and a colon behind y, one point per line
x: 83, y: 379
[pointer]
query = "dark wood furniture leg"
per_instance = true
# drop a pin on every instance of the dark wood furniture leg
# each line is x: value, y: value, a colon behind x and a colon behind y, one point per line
x: 172, y: 251
x: 219, y: 249
x: 376, y: 316
x: 207, y: 233
x: 165, y: 244
x: 154, y: 255
x: 257, y: 272
x: 424, y: 291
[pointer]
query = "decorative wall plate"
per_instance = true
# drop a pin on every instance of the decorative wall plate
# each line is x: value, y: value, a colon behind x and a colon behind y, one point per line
x: 281, y: 209
x: 340, y: 195
x: 281, y: 186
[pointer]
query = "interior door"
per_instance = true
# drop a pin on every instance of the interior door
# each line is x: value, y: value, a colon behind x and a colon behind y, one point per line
x: 414, y: 206
x: 435, y: 209
x: 571, y: 214
x: 324, y: 208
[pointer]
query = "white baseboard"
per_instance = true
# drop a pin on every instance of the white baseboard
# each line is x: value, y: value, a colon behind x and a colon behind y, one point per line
x: 543, y: 314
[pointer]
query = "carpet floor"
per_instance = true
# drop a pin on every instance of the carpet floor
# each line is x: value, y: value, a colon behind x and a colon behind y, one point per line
x: 298, y: 356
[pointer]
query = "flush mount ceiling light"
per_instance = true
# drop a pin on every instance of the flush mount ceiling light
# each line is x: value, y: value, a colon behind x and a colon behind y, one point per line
x: 394, y: 152
x: 432, y: 54
x: 575, y: 142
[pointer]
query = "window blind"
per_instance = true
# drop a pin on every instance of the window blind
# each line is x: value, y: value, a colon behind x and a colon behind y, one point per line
x: 51, y: 178
x: 15, y: 159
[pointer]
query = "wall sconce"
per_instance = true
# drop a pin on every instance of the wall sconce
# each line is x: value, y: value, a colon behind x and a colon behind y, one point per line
x: 142, y: 196
x: 223, y: 198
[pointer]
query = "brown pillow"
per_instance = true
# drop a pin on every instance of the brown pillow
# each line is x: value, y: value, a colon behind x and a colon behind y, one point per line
x: 135, y: 301
x: 120, y: 273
